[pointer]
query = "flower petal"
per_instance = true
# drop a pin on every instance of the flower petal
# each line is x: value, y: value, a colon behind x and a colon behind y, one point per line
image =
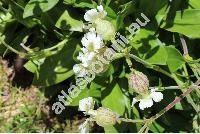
x: 91, y: 15
x: 145, y: 103
x: 100, y: 8
x: 84, y: 127
x: 157, y: 96
x: 86, y: 104
x: 134, y: 101
x: 154, y: 89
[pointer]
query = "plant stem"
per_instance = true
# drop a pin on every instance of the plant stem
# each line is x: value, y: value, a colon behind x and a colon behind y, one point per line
x: 143, y: 128
x: 181, y: 85
x: 12, y: 49
x: 131, y: 120
x: 163, y: 88
x: 184, y: 45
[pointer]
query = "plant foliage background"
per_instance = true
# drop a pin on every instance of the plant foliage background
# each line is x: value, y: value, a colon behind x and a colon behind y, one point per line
x: 51, y: 32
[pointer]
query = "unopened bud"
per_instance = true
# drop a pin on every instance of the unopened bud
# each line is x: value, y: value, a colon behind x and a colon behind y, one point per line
x: 106, y: 117
x: 139, y: 82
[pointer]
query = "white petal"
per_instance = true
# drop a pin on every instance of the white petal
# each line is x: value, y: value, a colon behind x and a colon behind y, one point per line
x: 91, y: 15
x: 79, y: 70
x: 145, y: 103
x: 80, y: 56
x: 84, y: 50
x: 87, y: 58
x: 157, y: 96
x: 154, y: 89
x: 84, y: 41
x: 100, y: 8
x: 92, y: 42
x: 83, y: 72
x: 134, y: 101
x: 92, y: 30
x: 84, y: 127
x: 76, y: 68
x: 86, y: 104
x: 91, y: 55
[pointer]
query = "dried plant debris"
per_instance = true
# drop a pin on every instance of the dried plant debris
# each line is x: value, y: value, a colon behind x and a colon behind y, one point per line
x: 26, y: 110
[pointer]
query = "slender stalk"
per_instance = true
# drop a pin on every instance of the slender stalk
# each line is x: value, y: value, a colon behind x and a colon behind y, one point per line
x: 147, y: 129
x: 163, y: 88
x: 182, y: 85
x: 143, y: 128
x: 12, y: 49
x: 194, y: 61
x: 132, y: 120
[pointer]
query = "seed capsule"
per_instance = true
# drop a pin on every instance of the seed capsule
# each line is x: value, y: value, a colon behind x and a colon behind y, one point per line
x: 139, y: 82
x: 106, y: 117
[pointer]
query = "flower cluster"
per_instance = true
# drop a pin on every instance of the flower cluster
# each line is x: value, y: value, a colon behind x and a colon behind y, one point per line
x: 92, y: 42
x: 140, y: 84
x: 103, y: 116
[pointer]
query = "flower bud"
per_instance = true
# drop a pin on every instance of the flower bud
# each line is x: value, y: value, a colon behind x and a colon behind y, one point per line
x: 139, y: 82
x: 106, y: 117
x: 105, y: 28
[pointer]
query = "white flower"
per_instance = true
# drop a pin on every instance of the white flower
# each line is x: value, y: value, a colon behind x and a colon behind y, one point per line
x: 156, y: 96
x: 147, y: 101
x: 93, y: 14
x: 79, y: 70
x: 85, y: 127
x: 92, y: 41
x: 86, y: 58
x: 102, y: 12
x: 86, y: 104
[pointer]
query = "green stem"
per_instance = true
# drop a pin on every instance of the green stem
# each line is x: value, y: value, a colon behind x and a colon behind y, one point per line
x: 189, y: 98
x: 131, y: 120
x: 12, y: 49
x: 163, y: 88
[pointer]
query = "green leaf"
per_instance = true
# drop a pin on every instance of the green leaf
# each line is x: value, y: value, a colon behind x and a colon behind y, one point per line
x: 83, y: 94
x: 149, y: 47
x: 4, y: 18
x: 175, y: 59
x: 67, y: 21
x: 158, y: 54
x: 113, y: 98
x: 36, y: 7
x: 127, y: 9
x: 18, y: 11
x: 194, y: 4
x: 156, y: 128
x: 185, y: 23
x: 58, y: 67
x: 33, y: 65
x: 152, y: 8
x: 94, y: 92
